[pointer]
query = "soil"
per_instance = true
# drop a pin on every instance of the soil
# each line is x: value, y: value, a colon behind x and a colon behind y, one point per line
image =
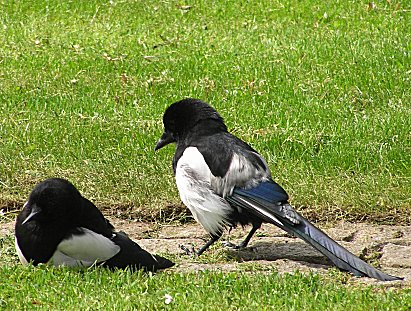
x: 271, y: 249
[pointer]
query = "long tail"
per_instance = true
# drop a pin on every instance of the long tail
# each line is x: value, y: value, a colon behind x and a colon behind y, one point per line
x: 263, y: 202
x: 133, y: 256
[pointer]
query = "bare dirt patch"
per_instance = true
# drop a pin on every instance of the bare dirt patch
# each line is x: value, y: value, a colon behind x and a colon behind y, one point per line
x: 389, y: 247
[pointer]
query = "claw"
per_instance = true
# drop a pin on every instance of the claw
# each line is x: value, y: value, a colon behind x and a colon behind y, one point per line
x: 232, y: 245
x: 189, y: 251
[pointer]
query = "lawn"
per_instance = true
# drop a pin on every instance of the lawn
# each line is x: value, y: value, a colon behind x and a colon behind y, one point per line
x: 321, y: 89
x: 95, y: 289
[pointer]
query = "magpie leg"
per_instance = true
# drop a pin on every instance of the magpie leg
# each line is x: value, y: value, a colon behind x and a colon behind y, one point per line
x: 244, y: 243
x: 192, y: 252
x: 210, y: 242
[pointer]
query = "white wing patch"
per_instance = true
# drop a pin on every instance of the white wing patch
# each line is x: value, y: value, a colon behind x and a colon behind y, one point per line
x: 193, y: 178
x: 23, y: 259
x: 241, y: 173
x: 83, y: 250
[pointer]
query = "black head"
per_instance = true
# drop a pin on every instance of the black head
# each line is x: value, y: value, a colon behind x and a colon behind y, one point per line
x: 182, y: 116
x: 52, y: 200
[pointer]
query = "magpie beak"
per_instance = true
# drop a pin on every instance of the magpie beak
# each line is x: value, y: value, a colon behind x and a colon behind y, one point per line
x: 164, y: 140
x: 34, y: 211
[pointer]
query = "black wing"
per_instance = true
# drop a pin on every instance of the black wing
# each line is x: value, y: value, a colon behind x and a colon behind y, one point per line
x: 91, y: 218
x: 133, y: 256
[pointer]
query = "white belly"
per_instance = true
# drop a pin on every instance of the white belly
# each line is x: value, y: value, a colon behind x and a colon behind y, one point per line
x: 193, y: 178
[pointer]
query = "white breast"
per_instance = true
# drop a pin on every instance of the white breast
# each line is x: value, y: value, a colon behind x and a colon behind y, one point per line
x: 193, y: 178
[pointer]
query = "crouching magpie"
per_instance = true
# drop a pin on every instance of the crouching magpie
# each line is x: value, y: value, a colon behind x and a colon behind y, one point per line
x: 59, y: 226
x: 224, y: 182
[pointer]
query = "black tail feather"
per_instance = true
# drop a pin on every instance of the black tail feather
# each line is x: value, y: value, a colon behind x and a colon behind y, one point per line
x: 134, y: 257
x: 274, y: 213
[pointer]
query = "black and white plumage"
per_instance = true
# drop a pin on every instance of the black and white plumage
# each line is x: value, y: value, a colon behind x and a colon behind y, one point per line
x: 224, y: 182
x: 60, y: 227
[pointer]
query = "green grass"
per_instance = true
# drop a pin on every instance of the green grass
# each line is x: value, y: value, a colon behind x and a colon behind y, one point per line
x: 251, y: 287
x: 321, y: 89
x: 61, y: 289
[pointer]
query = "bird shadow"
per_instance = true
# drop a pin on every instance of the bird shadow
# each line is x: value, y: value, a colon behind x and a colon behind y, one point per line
x: 269, y: 251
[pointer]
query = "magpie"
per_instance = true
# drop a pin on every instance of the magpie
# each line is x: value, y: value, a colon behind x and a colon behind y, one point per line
x: 60, y: 227
x: 225, y: 182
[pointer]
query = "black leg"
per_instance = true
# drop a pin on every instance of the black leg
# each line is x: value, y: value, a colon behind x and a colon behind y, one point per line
x: 244, y: 243
x: 255, y: 227
x: 210, y: 242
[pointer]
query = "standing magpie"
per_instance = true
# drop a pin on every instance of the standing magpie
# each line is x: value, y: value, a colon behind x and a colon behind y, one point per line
x: 224, y: 182
x: 59, y: 226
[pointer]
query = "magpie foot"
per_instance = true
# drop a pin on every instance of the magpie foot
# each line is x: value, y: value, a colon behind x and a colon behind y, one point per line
x: 188, y: 250
x: 232, y: 245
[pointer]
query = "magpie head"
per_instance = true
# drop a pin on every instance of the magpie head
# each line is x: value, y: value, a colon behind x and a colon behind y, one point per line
x: 182, y: 116
x: 53, y: 200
